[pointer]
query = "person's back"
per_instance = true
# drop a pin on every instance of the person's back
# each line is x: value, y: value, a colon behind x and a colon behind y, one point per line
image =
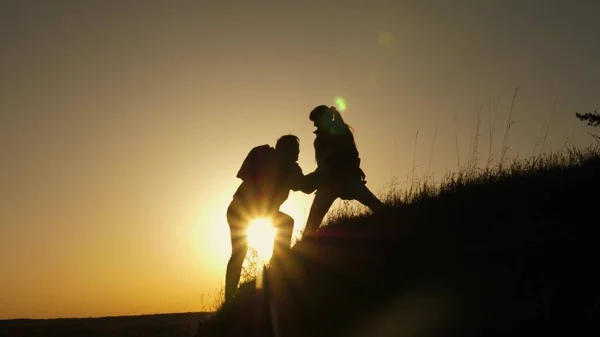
x: 266, y: 191
x: 334, y: 144
x: 336, y: 150
x: 257, y: 172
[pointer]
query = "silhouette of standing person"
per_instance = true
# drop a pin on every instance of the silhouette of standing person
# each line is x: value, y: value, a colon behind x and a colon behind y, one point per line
x: 268, y: 174
x: 335, y: 149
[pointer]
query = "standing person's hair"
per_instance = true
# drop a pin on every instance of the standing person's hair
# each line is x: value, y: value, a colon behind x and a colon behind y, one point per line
x: 338, y: 120
x: 318, y: 113
x: 329, y: 117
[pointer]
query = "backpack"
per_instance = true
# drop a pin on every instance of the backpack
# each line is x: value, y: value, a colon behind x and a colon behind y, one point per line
x: 254, y: 164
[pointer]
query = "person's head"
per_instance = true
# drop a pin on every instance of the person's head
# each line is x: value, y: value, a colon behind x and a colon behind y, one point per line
x: 328, y: 118
x: 289, y: 147
x: 321, y: 116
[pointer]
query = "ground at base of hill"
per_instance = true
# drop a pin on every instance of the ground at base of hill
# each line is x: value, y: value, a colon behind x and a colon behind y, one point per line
x: 157, y: 325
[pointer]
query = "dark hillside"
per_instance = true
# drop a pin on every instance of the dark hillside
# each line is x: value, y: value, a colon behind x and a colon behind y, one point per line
x: 512, y: 252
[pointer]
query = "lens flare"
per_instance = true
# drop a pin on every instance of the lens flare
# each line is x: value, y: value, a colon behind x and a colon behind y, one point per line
x: 261, y: 237
x: 340, y: 103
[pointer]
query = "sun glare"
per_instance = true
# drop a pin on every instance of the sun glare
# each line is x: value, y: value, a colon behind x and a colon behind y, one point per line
x: 261, y: 237
x: 340, y: 103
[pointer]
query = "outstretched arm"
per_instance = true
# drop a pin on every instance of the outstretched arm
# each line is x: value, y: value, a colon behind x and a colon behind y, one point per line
x: 300, y: 182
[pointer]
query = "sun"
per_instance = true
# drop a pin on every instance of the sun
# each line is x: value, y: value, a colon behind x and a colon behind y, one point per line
x: 261, y: 237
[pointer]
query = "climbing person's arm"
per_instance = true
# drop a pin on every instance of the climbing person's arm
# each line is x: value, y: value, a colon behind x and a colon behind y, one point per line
x: 300, y: 182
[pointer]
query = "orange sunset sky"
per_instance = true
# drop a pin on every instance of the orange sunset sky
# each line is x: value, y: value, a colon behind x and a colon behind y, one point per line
x: 123, y: 123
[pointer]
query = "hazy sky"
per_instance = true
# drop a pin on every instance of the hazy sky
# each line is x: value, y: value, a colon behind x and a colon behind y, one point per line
x: 123, y: 123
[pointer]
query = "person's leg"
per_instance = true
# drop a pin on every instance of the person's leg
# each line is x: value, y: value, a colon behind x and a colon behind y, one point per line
x: 285, y: 228
x: 239, y: 248
x: 323, y: 200
x: 277, y: 276
x: 361, y: 193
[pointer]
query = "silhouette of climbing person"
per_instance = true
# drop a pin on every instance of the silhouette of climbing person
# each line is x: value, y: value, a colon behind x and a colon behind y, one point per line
x: 335, y: 148
x: 268, y: 174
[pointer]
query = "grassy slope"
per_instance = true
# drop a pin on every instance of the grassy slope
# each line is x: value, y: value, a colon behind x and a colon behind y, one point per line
x: 505, y: 252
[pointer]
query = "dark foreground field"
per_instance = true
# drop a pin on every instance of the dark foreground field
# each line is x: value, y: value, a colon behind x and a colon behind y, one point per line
x: 512, y: 252
x: 161, y: 325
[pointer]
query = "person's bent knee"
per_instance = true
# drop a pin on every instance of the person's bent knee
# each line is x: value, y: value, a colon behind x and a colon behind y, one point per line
x: 287, y: 221
x: 286, y: 225
x: 284, y: 221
